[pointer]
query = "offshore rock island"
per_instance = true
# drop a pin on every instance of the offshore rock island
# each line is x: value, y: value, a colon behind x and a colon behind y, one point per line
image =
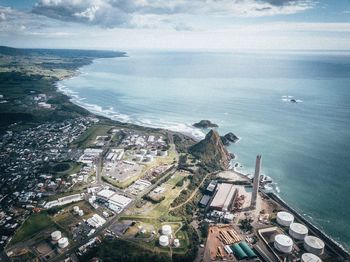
x: 80, y: 187
x: 205, y: 124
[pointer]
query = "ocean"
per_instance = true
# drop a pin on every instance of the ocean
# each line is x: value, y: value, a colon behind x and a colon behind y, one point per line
x: 305, y: 146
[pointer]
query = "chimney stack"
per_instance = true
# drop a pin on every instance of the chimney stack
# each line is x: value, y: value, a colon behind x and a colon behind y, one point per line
x: 256, y: 181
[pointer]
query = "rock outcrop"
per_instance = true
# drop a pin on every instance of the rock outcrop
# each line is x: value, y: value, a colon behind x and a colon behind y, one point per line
x: 225, y: 141
x: 205, y: 124
x: 229, y: 138
x: 212, y: 152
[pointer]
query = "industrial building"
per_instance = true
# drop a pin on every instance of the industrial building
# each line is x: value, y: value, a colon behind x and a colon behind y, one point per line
x: 115, y: 155
x: 64, y: 200
x: 211, y: 187
x: 115, y: 201
x: 243, y: 251
x: 90, y: 155
x: 119, y: 200
x: 96, y: 221
x: 224, y: 197
x: 204, y: 201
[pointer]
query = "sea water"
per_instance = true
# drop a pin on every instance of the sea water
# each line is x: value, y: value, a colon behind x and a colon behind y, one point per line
x: 305, y: 146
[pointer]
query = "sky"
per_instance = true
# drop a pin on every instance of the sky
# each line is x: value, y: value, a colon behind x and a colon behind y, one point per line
x: 176, y: 24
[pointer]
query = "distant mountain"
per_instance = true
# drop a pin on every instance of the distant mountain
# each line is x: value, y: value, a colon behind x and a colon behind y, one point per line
x: 67, y: 53
x: 212, y: 152
x: 6, y: 50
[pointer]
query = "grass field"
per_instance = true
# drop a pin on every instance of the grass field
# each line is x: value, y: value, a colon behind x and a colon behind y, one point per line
x: 38, y: 223
x: 72, y: 168
x: 88, y: 138
x: 158, y: 215
x: 33, y: 225
x: 161, y: 210
x: 171, y: 192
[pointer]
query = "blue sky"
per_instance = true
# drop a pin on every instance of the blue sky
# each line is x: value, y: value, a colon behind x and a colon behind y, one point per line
x: 176, y: 24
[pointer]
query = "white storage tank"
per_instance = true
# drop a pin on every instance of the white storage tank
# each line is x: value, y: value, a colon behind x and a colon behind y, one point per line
x: 298, y: 231
x: 148, y: 158
x: 308, y: 257
x: 176, y: 242
x: 314, y: 245
x: 285, y: 218
x: 138, y: 158
x: 76, y: 209
x: 56, y: 235
x: 163, y: 152
x: 81, y: 212
x: 166, y: 230
x: 283, y: 243
x: 153, y: 152
x: 63, y: 242
x: 164, y: 241
x: 143, y: 151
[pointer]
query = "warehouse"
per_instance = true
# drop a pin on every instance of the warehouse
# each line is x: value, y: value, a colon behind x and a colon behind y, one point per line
x: 204, y: 201
x: 105, y: 194
x: 114, y: 200
x: 211, y: 187
x: 119, y: 200
x: 96, y: 221
x: 224, y: 197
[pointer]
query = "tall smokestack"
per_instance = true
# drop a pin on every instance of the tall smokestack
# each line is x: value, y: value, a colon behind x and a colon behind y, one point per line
x: 256, y: 181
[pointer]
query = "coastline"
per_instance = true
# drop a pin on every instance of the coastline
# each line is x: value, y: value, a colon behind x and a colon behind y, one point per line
x: 98, y: 111
x: 333, y: 244
x: 185, y: 129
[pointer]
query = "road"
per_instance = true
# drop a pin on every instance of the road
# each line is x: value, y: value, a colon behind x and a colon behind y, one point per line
x: 192, y: 195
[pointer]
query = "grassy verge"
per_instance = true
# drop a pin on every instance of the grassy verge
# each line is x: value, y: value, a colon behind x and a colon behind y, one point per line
x: 34, y: 224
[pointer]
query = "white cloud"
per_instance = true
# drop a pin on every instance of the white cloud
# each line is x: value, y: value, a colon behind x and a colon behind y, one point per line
x: 2, y: 17
x: 30, y: 24
x: 165, y: 24
x: 124, y: 13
